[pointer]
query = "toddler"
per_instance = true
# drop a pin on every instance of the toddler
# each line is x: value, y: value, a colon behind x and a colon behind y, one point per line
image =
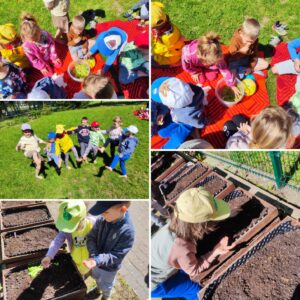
x: 50, y: 150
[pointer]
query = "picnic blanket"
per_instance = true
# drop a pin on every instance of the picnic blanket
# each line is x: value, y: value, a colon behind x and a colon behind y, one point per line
x: 136, y: 90
x: 216, y: 112
x: 285, y: 84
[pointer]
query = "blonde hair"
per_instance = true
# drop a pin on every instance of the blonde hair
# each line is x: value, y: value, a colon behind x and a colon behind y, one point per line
x: 29, y: 27
x: 271, y: 129
x: 209, y: 48
x: 98, y: 87
x: 251, y: 28
x: 78, y: 22
x: 117, y: 118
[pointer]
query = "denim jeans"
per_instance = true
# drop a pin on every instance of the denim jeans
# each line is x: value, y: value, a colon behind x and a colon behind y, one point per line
x: 122, y: 160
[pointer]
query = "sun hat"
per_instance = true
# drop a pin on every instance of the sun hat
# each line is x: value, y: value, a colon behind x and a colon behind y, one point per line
x: 133, y: 129
x: 178, y: 95
x: 71, y: 212
x: 25, y: 126
x: 51, y: 135
x: 158, y: 16
x: 60, y: 128
x: 95, y: 124
x: 101, y: 206
x: 8, y: 33
x: 197, y: 205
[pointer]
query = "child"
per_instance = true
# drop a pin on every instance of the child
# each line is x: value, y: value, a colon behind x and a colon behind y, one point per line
x: 95, y: 137
x: 175, y: 267
x: 143, y: 7
x: 83, y: 135
x: 39, y: 46
x: 11, y: 46
x: 60, y: 18
x: 77, y: 38
x: 186, y: 104
x: 50, y: 150
x: 203, y: 59
x: 272, y: 128
x: 73, y: 226
x: 291, y: 66
x: 243, y: 49
x: 109, y: 44
x: 46, y: 88
x: 29, y: 143
x: 108, y: 243
x: 96, y: 87
x: 12, y: 80
x: 114, y: 132
x: 64, y: 144
x: 166, y: 41
x: 128, y: 143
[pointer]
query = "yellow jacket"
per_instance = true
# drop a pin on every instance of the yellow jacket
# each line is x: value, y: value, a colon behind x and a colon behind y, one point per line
x: 16, y: 56
x: 64, y: 144
x: 166, y: 49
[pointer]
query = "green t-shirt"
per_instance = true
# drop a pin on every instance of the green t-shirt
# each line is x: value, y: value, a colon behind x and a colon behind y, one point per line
x: 95, y: 137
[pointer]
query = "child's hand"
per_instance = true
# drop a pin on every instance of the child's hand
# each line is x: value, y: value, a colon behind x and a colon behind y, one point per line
x: 84, y: 50
x: 297, y: 65
x: 88, y: 55
x: 45, y: 72
x: 77, y: 40
x: 245, y: 128
x: 160, y: 120
x: 222, y: 247
x: 90, y: 263
x: 248, y: 71
x: 46, y: 261
x: 195, y: 78
x: 237, y: 92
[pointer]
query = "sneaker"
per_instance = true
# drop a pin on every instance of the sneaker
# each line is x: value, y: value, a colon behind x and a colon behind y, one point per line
x: 108, y: 168
x: 279, y: 29
x: 123, y: 176
x: 93, y: 294
x: 275, y: 40
x: 128, y: 13
x: 278, y: 24
x: 39, y: 177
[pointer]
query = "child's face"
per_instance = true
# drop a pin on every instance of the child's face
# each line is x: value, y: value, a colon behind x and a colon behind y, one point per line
x: 27, y: 133
x: 51, y: 140
x: 117, y: 123
x: 113, y: 214
x: 77, y: 30
x: 96, y: 128
x: 83, y: 122
x: 246, y: 39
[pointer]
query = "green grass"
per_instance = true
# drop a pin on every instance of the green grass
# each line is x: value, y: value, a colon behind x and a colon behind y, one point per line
x: 17, y: 177
x: 11, y: 10
x: 196, y: 17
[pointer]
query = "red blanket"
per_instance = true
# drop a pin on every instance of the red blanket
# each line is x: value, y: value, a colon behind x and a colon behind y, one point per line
x: 136, y: 90
x: 215, y: 111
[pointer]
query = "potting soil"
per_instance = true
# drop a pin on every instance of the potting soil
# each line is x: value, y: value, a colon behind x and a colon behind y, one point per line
x: 162, y: 166
x: 6, y: 204
x: 213, y: 184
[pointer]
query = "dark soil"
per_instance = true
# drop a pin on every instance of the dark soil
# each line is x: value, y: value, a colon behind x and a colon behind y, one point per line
x: 59, y: 279
x: 6, y: 204
x: 245, y: 213
x: 25, y: 216
x: 272, y: 273
x: 27, y: 241
x: 181, y: 179
x: 163, y: 164
x: 213, y: 184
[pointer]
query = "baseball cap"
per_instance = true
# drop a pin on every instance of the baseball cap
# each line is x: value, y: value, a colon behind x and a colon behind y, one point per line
x: 178, y: 95
x: 95, y: 124
x: 51, y: 135
x: 102, y: 206
x: 197, y: 205
x: 25, y: 126
x: 133, y: 129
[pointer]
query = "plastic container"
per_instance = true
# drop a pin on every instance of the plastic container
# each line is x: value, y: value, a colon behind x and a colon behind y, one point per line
x: 71, y: 69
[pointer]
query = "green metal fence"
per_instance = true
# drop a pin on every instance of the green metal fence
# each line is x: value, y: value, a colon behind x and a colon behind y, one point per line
x: 280, y: 166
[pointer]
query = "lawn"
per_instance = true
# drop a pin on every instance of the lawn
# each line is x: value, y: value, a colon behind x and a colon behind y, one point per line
x: 11, y: 10
x: 17, y: 177
x: 196, y: 17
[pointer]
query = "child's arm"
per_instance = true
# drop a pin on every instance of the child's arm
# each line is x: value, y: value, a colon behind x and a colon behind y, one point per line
x: 186, y: 62
x: 254, y: 55
x: 226, y: 73
x: 139, y: 4
x: 35, y: 60
x: 49, y: 4
x: 102, y: 138
x: 292, y: 47
x: 53, y: 53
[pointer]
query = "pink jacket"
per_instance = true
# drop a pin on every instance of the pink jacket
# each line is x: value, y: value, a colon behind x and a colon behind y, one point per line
x: 40, y: 54
x: 193, y: 65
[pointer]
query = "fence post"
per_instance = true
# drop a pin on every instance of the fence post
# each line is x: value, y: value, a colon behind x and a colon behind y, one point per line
x: 277, y: 168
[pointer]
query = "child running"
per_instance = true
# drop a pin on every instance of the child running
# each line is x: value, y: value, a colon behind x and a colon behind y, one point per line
x: 29, y: 143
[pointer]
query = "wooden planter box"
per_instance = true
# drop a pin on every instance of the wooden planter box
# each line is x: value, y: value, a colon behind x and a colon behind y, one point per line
x: 246, y: 235
x: 14, y: 204
x: 25, y: 210
x: 76, y: 293
x: 8, y: 260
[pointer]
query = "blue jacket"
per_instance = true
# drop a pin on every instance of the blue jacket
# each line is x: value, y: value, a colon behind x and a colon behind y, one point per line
x: 292, y: 46
x: 108, y: 243
x: 127, y: 145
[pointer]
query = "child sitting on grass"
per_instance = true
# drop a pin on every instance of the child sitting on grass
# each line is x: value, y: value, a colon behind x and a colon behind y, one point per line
x: 203, y: 59
x: 143, y: 8
x: 175, y: 267
x: 73, y: 226
x: 108, y: 243
x: 50, y: 151
x: 272, y: 128
x: 292, y: 65
x: 64, y: 144
x: 12, y: 80
x: 77, y: 38
x: 95, y: 137
x: 114, y: 132
x: 38, y: 46
x: 243, y: 57
x: 29, y: 143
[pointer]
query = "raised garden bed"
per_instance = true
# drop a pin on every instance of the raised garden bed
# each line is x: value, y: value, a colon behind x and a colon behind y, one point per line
x: 14, y: 204
x: 26, y: 243
x: 182, y: 178
x: 267, y: 269
x: 21, y: 217
x: 251, y: 215
x: 61, y: 281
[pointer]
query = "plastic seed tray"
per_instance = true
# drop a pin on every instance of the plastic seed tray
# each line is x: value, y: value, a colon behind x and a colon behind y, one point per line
x: 14, y: 204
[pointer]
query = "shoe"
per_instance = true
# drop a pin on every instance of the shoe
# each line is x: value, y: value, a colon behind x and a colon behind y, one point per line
x: 275, y: 40
x: 93, y: 294
x: 278, y: 24
x: 279, y: 29
x: 128, y: 13
x: 123, y: 176
x: 108, y: 168
x: 39, y: 177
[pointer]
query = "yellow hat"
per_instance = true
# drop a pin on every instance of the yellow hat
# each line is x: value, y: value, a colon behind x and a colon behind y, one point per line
x: 8, y: 33
x: 158, y: 16
x: 60, y: 128
x: 197, y: 205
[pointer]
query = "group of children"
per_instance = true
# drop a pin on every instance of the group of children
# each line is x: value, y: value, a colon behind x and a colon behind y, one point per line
x: 60, y: 144
x: 178, y: 107
x: 98, y: 240
x: 35, y: 48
